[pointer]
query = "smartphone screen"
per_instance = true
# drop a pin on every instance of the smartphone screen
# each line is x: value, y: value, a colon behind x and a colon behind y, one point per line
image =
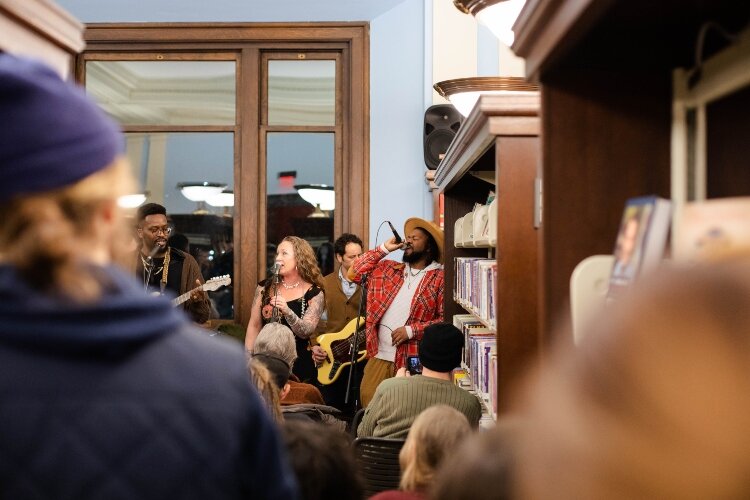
x: 413, y: 365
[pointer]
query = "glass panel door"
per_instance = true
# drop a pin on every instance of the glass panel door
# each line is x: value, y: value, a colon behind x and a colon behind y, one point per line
x: 300, y: 192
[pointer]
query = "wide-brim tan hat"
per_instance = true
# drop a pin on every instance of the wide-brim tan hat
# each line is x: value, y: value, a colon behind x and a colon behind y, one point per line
x: 430, y: 227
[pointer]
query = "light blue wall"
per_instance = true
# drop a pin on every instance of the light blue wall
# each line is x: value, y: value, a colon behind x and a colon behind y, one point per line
x: 397, y: 89
x: 397, y: 81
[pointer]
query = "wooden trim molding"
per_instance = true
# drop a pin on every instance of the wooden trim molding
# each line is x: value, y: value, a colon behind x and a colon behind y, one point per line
x: 48, y: 21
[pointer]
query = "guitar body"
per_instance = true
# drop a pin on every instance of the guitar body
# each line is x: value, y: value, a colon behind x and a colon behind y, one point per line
x: 338, y: 348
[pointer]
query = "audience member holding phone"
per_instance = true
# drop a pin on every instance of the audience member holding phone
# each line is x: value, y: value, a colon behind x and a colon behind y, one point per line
x: 414, y: 365
x: 398, y: 401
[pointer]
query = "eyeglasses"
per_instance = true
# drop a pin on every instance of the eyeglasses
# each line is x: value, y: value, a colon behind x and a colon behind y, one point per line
x: 166, y: 230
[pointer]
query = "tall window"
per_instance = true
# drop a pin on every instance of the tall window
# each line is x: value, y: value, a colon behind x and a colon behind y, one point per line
x: 277, y: 131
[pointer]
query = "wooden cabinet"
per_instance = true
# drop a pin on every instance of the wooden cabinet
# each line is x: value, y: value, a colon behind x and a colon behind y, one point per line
x: 605, y: 69
x: 499, y: 142
x: 41, y: 29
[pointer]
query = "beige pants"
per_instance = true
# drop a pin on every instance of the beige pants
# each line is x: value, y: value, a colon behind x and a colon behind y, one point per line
x: 376, y: 370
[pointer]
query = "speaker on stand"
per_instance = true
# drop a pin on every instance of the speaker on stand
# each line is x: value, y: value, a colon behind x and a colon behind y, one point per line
x: 441, y: 124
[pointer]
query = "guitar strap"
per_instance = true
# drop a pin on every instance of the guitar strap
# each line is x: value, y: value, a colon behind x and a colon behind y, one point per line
x: 164, y: 272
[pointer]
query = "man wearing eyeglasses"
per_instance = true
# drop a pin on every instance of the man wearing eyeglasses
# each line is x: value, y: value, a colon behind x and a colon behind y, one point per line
x: 182, y: 271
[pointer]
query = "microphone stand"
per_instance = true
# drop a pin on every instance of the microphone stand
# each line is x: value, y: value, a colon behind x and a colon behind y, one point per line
x: 149, y: 269
x: 355, y: 342
x: 275, y: 314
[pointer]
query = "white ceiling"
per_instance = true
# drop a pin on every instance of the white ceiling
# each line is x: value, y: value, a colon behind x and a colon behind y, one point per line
x: 227, y: 10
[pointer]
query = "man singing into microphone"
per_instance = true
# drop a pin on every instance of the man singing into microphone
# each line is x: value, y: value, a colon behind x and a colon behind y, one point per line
x: 403, y: 298
x: 182, y: 271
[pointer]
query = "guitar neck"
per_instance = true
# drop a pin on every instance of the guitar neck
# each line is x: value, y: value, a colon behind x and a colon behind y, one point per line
x: 210, y: 285
x: 185, y: 296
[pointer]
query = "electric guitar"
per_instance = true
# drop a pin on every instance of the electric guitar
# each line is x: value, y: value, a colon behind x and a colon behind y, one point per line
x: 208, y: 286
x: 338, y: 347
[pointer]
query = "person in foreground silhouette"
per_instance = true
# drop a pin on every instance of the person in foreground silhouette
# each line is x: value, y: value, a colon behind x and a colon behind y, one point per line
x: 106, y: 392
x: 653, y: 403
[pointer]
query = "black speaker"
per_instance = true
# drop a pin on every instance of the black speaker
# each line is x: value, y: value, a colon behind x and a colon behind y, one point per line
x: 441, y: 123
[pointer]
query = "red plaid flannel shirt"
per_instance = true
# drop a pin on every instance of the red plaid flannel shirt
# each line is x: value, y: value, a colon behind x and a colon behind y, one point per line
x: 384, y: 280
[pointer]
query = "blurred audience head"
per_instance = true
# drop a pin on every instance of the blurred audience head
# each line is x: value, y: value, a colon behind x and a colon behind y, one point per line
x: 62, y: 171
x: 434, y: 435
x: 323, y: 461
x: 268, y: 389
x: 277, y: 367
x: 481, y: 467
x: 180, y: 242
x: 655, y: 400
x: 276, y: 339
x: 440, y: 348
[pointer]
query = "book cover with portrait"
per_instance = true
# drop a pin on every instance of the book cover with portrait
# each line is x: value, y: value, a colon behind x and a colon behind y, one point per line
x: 641, y: 240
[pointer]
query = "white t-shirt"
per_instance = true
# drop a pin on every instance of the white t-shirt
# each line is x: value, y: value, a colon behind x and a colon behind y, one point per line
x: 398, y: 311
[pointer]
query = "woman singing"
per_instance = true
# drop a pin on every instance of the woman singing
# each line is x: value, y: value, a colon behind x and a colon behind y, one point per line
x: 294, y: 298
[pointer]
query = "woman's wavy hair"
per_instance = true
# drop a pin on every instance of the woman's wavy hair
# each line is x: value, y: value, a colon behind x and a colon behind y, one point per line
x: 263, y: 380
x: 434, y: 435
x: 307, y: 263
x: 44, y: 235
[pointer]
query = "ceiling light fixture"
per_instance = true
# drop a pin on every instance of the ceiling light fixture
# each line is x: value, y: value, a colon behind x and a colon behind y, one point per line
x: 224, y: 199
x: 464, y: 93
x: 321, y: 196
x: 200, y: 192
x: 498, y: 15
x: 132, y: 200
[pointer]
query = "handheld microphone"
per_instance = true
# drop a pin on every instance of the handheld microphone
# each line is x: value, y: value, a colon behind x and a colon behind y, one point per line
x: 395, y: 234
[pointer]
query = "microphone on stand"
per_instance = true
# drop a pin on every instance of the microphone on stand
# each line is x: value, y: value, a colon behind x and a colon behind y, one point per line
x: 148, y: 265
x: 150, y: 257
x: 275, y: 271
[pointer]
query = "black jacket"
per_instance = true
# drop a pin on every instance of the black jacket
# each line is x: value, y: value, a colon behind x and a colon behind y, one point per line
x: 125, y: 399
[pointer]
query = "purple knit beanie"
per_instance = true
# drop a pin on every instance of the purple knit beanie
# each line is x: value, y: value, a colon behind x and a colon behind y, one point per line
x: 52, y: 134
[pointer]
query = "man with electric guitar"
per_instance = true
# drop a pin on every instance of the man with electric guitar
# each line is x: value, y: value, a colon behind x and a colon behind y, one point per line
x: 332, y: 354
x: 182, y: 274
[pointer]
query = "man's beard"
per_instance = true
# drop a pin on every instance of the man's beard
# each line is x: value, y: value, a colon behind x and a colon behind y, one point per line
x: 414, y: 256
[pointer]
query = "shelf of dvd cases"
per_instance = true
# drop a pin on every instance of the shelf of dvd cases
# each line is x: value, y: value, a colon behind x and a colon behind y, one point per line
x: 478, y: 361
x: 474, y: 287
x: 488, y: 182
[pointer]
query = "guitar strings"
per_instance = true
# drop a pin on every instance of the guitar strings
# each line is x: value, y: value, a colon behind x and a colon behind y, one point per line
x: 342, y: 346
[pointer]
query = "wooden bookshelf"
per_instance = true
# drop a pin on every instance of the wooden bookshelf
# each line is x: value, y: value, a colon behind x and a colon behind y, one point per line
x: 499, y: 142
x: 605, y: 69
